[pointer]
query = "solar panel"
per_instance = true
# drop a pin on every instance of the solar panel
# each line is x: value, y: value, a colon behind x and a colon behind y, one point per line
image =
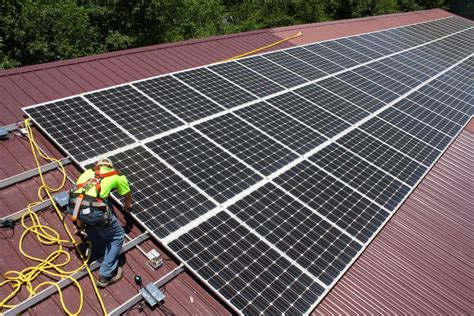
x: 332, y: 55
x: 314, y: 60
x: 246, y: 78
x: 349, y: 210
x: 247, y: 143
x: 309, y: 113
x: 269, y: 175
x: 132, y: 110
x: 332, y: 103
x: 302, y: 68
x: 163, y: 200
x: 79, y: 128
x: 205, y: 164
x: 214, y: 87
x: 273, y: 71
x: 281, y: 127
x: 178, y: 98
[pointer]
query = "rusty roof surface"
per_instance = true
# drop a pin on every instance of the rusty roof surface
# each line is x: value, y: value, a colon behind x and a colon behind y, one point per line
x: 185, y: 295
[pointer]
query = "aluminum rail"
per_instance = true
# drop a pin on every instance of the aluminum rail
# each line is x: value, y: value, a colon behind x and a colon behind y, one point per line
x: 32, y: 173
x: 138, y: 297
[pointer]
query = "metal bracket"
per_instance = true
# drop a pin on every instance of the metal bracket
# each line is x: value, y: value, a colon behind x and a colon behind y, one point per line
x: 138, y: 297
x: 47, y: 292
x: 32, y: 173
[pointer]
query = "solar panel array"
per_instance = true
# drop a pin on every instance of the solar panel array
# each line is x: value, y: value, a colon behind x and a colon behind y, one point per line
x: 269, y: 175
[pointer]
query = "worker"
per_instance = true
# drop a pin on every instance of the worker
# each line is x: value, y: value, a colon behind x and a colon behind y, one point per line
x: 91, y: 206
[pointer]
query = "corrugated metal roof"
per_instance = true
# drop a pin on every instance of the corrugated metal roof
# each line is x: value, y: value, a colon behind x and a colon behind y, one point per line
x: 40, y: 83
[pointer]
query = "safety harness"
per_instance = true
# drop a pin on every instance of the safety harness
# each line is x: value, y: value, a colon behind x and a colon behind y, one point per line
x: 80, y: 199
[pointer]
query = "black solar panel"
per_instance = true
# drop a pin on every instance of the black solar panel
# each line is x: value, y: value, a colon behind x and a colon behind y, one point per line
x: 332, y: 55
x: 178, y: 98
x: 247, y: 143
x: 211, y: 85
x: 346, y: 208
x: 332, y: 102
x: 309, y: 113
x: 79, y: 128
x: 361, y: 175
x: 297, y: 231
x: 246, y: 78
x: 352, y: 94
x: 314, y: 60
x: 252, y: 276
x: 368, y: 86
x: 205, y: 164
x: 383, y: 156
x: 134, y: 111
x: 281, y: 127
x: 162, y: 200
x: 416, y: 127
x: 273, y: 71
x: 298, y: 66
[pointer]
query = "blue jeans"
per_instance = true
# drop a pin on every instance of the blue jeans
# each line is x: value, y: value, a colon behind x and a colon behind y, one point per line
x: 113, y: 236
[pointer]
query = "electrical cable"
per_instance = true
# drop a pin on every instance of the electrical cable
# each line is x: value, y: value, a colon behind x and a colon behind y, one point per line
x: 264, y: 47
x: 48, y: 236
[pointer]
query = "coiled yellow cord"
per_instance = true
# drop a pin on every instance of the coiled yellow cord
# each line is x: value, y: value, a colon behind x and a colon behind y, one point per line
x: 48, y: 236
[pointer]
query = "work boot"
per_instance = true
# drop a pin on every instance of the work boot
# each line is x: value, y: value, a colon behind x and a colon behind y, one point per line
x: 105, y: 281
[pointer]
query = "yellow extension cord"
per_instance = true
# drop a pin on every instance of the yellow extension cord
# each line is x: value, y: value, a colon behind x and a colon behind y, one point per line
x: 265, y: 47
x: 47, y: 236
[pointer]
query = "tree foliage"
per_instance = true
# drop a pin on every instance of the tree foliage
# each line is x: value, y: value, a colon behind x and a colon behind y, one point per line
x: 36, y: 31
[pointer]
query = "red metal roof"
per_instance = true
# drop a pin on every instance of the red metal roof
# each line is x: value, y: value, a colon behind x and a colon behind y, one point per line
x: 402, y: 281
